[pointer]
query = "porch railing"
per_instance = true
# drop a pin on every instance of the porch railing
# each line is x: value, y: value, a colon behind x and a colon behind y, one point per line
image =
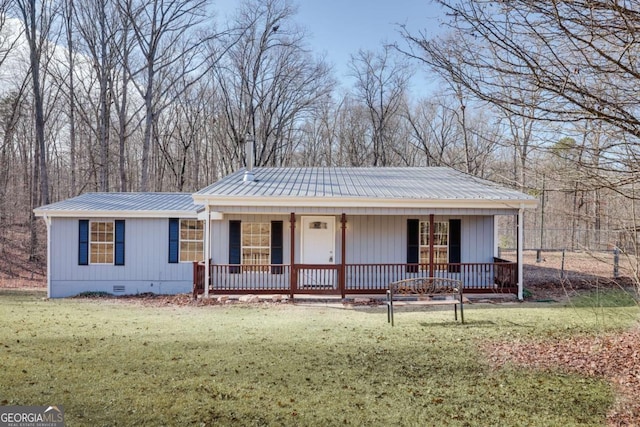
x: 499, y: 276
x: 477, y: 277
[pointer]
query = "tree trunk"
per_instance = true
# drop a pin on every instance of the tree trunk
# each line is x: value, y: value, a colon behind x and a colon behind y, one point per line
x: 69, y: 14
x: 104, y: 104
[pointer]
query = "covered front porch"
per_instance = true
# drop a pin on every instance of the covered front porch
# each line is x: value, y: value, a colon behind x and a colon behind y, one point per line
x: 349, y: 278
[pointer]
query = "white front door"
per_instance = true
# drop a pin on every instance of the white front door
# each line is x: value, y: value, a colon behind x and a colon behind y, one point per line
x: 318, y: 247
x: 318, y: 240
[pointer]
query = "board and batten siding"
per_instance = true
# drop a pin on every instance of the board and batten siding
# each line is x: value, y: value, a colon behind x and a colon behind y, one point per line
x: 146, y: 267
x: 383, y: 239
x: 477, y: 239
x: 371, y: 239
x: 220, y: 235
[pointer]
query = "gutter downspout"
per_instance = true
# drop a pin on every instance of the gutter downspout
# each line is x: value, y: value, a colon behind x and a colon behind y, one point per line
x: 519, y: 252
x: 207, y: 251
x: 47, y: 221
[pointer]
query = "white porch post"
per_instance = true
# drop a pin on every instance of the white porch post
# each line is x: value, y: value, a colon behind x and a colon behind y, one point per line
x: 207, y: 250
x: 519, y: 252
x: 496, y: 237
x: 47, y: 221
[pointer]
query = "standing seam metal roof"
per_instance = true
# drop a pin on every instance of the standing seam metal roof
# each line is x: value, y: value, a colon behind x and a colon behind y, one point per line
x: 433, y: 183
x: 436, y: 183
x: 126, y: 202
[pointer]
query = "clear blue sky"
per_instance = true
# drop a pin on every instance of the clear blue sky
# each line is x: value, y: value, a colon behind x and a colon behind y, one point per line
x: 339, y: 28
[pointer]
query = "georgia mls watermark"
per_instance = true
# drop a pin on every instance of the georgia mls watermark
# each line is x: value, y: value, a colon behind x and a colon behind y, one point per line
x: 31, y: 416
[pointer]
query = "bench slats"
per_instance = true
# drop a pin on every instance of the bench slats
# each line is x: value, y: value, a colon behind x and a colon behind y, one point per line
x: 426, y: 291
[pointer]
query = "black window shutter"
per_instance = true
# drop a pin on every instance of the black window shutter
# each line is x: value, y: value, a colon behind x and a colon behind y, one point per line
x: 276, y: 246
x: 174, y: 239
x: 413, y: 245
x: 83, y: 242
x: 454, y: 245
x: 119, y: 246
x: 235, y: 247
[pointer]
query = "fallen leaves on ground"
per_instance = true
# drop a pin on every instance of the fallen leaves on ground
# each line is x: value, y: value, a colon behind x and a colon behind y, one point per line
x: 152, y: 300
x: 615, y: 357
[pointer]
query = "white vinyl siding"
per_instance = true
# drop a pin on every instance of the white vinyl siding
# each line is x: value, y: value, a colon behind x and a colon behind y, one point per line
x: 370, y: 239
x: 146, y: 269
x: 383, y: 239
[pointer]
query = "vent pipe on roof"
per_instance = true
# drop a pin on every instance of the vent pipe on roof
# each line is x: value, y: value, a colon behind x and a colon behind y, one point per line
x: 248, y: 172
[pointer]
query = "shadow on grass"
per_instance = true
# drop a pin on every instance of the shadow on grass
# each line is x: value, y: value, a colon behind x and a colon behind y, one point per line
x: 481, y: 323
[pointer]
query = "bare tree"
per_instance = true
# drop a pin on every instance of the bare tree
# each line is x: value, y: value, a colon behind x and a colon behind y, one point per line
x: 169, y: 45
x: 180, y: 138
x: 381, y: 84
x: 68, y: 15
x: 10, y: 108
x: 552, y: 61
x: 319, y: 137
x: 10, y: 34
x: 126, y: 110
x: 268, y: 82
x: 37, y: 18
x: 433, y: 129
x: 355, y: 148
x: 97, y: 23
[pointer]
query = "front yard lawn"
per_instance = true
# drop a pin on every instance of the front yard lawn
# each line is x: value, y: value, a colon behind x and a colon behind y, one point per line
x: 110, y: 362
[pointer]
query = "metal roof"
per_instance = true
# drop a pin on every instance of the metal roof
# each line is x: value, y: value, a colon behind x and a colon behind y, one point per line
x: 306, y: 187
x: 116, y: 204
x: 406, y: 183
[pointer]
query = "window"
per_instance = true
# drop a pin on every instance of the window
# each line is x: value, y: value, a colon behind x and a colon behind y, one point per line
x: 440, y: 242
x: 256, y: 246
x: 256, y: 243
x: 101, y: 242
x: 191, y: 240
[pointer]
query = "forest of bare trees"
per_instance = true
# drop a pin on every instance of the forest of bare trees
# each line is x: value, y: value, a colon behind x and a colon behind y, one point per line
x: 151, y: 95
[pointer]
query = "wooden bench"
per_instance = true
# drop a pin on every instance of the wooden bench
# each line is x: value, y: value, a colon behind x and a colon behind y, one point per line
x: 426, y: 291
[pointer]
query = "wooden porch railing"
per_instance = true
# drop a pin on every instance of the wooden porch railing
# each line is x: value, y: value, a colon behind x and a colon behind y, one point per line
x: 477, y: 277
x: 499, y: 276
x: 316, y: 279
x: 506, y: 273
x: 241, y: 278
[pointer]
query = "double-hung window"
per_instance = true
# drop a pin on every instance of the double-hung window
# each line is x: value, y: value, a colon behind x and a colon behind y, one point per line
x: 191, y: 240
x: 440, y: 242
x: 186, y: 240
x: 101, y: 242
x: 256, y: 243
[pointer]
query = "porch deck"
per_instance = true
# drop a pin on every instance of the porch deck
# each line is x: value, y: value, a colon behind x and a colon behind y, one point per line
x: 500, y: 276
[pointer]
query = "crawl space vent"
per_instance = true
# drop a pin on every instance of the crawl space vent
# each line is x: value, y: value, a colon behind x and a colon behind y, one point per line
x: 118, y: 288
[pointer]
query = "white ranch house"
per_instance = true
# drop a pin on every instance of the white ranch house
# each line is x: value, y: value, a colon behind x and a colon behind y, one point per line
x: 340, y: 231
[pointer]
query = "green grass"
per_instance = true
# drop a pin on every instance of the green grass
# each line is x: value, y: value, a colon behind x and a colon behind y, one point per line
x: 113, y: 363
x: 606, y: 298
